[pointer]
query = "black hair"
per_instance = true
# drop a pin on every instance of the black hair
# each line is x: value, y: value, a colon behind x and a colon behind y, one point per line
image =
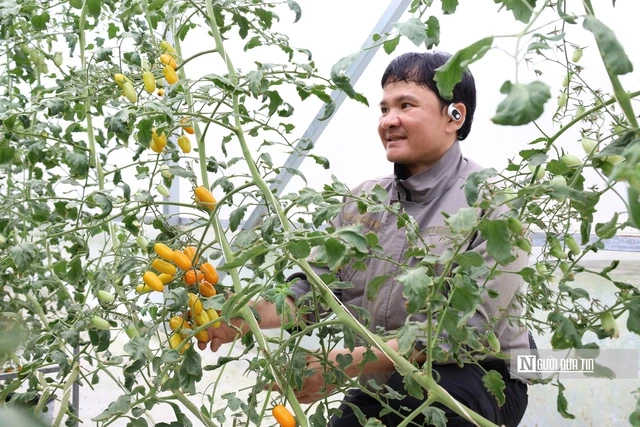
x: 420, y: 68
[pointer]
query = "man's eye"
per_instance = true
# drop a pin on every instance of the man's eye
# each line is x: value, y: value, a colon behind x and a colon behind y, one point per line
x: 405, y: 105
x: 383, y: 110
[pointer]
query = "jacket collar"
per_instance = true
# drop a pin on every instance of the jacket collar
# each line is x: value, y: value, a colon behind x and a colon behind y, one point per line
x: 433, y: 182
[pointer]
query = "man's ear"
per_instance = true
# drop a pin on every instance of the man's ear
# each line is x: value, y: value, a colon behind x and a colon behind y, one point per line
x: 457, y: 113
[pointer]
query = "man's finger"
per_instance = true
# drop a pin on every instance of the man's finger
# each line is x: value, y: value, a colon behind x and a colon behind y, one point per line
x: 215, y: 344
x: 202, y: 345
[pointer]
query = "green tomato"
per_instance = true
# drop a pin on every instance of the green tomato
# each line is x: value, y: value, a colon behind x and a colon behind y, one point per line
x: 558, y: 180
x: 589, y: 145
x: 562, y: 100
x: 105, y: 297
x: 57, y: 59
x: 614, y: 160
x: 566, y: 80
x: 524, y: 245
x: 557, y: 253
x: 165, y: 172
x: 142, y: 242
x: 572, y: 245
x: 514, y: 225
x: 542, y: 269
x: 132, y: 332
x: 577, y: 55
x: 163, y: 190
x: 580, y: 110
x: 571, y: 161
x: 99, y: 323
x: 541, y: 171
x: 494, y: 342
x: 609, y: 324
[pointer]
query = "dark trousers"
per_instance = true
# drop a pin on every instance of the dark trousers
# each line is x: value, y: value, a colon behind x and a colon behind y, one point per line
x: 464, y: 384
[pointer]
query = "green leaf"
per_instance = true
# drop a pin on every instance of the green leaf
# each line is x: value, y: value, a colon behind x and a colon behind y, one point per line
x: 493, y: 381
x: 465, y: 295
x: 522, y: 9
x: 295, y: 7
x: 449, y: 6
x: 416, y: 284
x: 413, y: 29
x: 524, y: 103
x: 119, y: 407
x: 40, y: 22
x: 463, y: 220
x: 633, y: 321
x: 374, y: 285
x: 390, y: 45
x: 470, y: 259
x: 137, y: 348
x: 562, y: 403
x: 78, y: 164
x: 450, y: 74
x: 101, y: 201
x: 300, y: 249
x: 473, y: 182
x: 6, y: 152
x: 236, y: 217
x: 192, y: 362
x: 407, y: 337
x: 607, y: 230
x: 434, y: 416
x: 94, y: 7
x: 450, y: 322
x: 565, y: 336
x: 335, y: 252
x: 74, y: 271
x: 612, y: 52
x: 23, y: 255
x: 354, y: 237
x: 498, y: 240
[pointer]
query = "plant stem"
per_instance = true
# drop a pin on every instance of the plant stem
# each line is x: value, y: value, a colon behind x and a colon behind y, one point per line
x: 192, y: 408
x: 417, y: 412
x: 202, y: 150
x: 37, y: 308
x: 67, y: 389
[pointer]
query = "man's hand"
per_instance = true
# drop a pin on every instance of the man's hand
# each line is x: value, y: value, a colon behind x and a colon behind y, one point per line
x: 221, y: 335
x: 312, y: 388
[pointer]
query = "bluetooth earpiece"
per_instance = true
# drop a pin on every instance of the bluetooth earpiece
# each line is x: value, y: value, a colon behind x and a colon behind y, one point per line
x: 454, y: 113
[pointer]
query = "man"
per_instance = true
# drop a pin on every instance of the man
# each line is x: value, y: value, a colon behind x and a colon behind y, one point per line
x: 419, y: 131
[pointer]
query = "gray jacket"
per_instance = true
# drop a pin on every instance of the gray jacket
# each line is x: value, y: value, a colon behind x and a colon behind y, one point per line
x: 425, y: 196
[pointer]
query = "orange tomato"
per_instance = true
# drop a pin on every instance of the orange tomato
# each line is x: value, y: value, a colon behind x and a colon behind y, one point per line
x: 191, y: 277
x: 166, y: 59
x: 206, y: 289
x: 283, y: 416
x: 210, y: 273
x: 163, y: 251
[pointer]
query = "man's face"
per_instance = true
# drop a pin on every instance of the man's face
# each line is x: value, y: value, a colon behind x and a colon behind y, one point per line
x: 415, y: 130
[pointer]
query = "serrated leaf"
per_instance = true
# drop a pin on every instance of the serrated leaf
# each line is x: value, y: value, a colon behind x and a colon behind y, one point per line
x: 523, y: 104
x: 335, y: 252
x: 374, y: 285
x: 390, y: 45
x: 470, y: 259
x: 78, y: 164
x: 463, y: 220
x: 416, y: 284
x: 435, y: 416
x: 562, y: 404
x: 137, y: 348
x: 354, y: 237
x: 465, y: 296
x: 23, y: 255
x: 450, y: 74
x: 236, y: 218
x: 101, y: 201
x: 300, y: 249
x: 94, y: 7
x: 494, y: 382
x: 413, y: 29
x: 612, y: 52
x: 449, y: 6
x: 522, y: 9
x: 39, y: 22
x: 498, y: 240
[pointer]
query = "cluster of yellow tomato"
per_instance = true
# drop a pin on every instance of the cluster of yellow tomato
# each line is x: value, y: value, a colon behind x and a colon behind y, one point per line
x: 168, y: 60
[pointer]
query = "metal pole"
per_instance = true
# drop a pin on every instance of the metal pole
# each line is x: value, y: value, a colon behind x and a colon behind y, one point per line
x: 354, y: 71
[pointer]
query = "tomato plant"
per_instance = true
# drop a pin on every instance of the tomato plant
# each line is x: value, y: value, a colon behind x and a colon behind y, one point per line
x: 96, y: 95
